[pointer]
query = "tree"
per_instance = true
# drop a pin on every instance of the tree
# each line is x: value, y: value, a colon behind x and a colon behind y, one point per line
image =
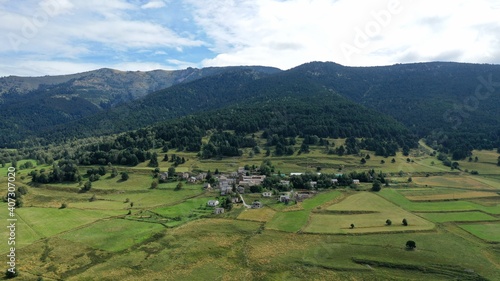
x: 410, y: 245
x: 376, y: 186
x: 388, y: 222
x: 405, y: 222
x: 171, y: 171
x: 63, y: 206
x: 114, y: 172
x: 352, y: 225
x: 101, y: 171
x: 382, y: 161
x: 87, y: 186
x: 393, y: 160
x: 154, y: 185
x: 363, y: 161
x: 125, y: 176
x: 178, y: 187
x: 165, y: 158
x: 10, y: 274
x: 410, y: 179
x: 153, y: 162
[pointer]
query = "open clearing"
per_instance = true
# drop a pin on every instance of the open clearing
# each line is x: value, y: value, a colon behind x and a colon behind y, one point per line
x: 368, y: 212
x: 261, y: 214
x: 457, y: 216
x: 467, y: 182
x: 113, y: 235
x: 453, y: 196
x: 486, y: 231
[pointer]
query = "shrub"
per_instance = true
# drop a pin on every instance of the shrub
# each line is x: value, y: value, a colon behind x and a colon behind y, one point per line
x: 410, y: 245
x: 388, y: 222
x: 405, y: 222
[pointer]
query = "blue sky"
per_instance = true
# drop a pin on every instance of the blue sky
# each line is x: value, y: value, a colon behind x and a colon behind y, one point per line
x: 52, y: 37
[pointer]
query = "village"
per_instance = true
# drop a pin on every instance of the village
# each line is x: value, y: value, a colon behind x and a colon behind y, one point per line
x: 244, y: 181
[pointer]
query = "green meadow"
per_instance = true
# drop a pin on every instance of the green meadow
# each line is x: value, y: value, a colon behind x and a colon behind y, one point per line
x: 124, y: 230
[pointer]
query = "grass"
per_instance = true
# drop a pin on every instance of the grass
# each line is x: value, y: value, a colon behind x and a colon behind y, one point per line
x: 452, y: 195
x: 453, y: 206
x: 457, y: 217
x: 452, y: 181
x: 261, y: 214
x: 368, y: 212
x: 288, y: 221
x: 486, y: 231
x: 113, y: 235
x: 277, y: 242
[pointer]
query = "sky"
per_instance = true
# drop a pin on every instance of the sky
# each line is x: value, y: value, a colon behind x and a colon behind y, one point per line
x: 55, y: 37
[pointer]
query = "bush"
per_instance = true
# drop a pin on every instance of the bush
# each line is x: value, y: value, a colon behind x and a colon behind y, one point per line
x: 125, y: 176
x: 410, y: 245
x: 388, y: 222
x: 63, y: 206
x: 405, y: 222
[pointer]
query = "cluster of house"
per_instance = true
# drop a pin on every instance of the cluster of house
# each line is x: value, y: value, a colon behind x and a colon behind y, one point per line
x: 241, y: 181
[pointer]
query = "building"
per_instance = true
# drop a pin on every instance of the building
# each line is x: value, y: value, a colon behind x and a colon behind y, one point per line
x: 256, y: 205
x: 355, y: 182
x: 213, y: 203
x: 267, y: 194
x: 251, y: 180
x: 218, y: 211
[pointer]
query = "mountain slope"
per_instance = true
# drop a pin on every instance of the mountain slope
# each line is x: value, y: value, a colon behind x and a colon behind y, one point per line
x: 30, y: 105
x: 437, y: 100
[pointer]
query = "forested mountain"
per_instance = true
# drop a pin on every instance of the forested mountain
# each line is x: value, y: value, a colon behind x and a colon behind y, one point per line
x: 30, y: 105
x: 283, y: 109
x: 454, y: 106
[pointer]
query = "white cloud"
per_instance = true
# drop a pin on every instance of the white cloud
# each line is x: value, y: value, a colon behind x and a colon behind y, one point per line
x: 288, y: 33
x: 154, y: 5
x: 139, y: 34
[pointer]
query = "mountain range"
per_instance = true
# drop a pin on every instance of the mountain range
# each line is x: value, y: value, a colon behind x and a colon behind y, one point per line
x: 454, y: 106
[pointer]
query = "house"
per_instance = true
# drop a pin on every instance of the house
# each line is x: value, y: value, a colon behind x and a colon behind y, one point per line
x: 213, y: 203
x: 251, y: 180
x: 335, y: 181
x: 267, y: 194
x: 225, y: 190
x: 355, y: 181
x: 201, y: 176
x: 296, y: 174
x: 284, y: 183
x: 240, y: 189
x: 207, y: 186
x: 191, y: 179
x: 235, y: 199
x: 284, y: 198
x: 256, y: 205
x: 185, y: 176
x: 163, y: 176
x: 313, y: 184
x: 218, y: 211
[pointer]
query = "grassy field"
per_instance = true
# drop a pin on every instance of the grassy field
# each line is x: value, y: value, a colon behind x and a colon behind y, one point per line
x: 453, y: 181
x: 368, y: 212
x: 452, y: 206
x: 486, y: 231
x: 113, y: 235
x: 457, y: 216
x: 173, y: 235
x: 453, y: 195
x: 262, y: 214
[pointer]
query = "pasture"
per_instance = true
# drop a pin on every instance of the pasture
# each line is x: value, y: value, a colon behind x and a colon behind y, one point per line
x: 131, y: 232
x: 368, y: 212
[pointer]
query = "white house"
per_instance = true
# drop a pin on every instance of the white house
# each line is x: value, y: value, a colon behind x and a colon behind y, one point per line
x: 355, y: 181
x: 213, y: 203
x: 267, y: 194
